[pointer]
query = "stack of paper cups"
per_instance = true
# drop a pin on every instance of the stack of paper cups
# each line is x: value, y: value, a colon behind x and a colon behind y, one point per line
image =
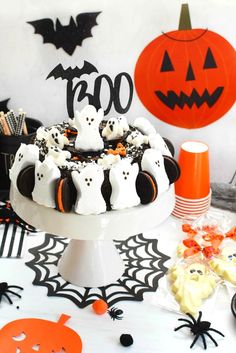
x: 192, y: 189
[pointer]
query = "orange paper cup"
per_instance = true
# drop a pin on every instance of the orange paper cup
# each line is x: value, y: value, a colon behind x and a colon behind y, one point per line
x: 194, y: 181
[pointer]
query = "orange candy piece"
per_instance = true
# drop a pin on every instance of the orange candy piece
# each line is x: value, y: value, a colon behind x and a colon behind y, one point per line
x: 100, y: 306
x: 120, y: 149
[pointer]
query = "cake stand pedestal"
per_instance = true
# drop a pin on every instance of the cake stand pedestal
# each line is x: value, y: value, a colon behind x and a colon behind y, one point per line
x: 91, y: 258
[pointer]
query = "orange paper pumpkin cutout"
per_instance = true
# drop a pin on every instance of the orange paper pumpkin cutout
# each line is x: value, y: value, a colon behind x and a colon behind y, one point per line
x: 30, y: 335
x: 187, y: 77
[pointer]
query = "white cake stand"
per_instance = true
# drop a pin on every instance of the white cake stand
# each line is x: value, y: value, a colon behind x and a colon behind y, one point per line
x: 91, y: 258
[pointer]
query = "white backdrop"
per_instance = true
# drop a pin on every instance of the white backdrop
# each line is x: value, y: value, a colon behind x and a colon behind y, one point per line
x: 124, y: 28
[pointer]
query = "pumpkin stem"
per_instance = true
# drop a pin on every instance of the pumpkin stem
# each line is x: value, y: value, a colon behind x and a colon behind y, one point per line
x: 63, y: 319
x: 184, y: 20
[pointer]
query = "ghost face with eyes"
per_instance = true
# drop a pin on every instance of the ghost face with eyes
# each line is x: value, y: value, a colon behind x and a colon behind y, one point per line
x: 123, y: 177
x: 112, y: 130
x: 46, y: 175
x: 55, y: 138
x: 123, y: 122
x: 153, y: 163
x: 25, y: 156
x: 225, y: 264
x: 87, y: 122
x: 190, y: 285
x: 136, y: 138
x: 88, y: 184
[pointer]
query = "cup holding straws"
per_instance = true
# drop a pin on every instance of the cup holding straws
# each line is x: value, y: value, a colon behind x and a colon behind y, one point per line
x: 14, y: 130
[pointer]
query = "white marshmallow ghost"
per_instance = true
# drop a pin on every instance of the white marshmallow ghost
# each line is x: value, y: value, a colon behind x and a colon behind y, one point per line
x: 55, y: 138
x: 26, y: 155
x: 136, y: 138
x: 87, y: 122
x: 153, y: 163
x: 123, y: 177
x: 158, y: 143
x: 88, y: 184
x: 144, y: 125
x: 59, y: 156
x: 112, y: 130
x: 46, y: 175
x: 123, y: 122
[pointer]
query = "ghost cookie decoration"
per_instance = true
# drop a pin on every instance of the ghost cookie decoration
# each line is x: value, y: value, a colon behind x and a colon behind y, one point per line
x: 113, y: 130
x: 225, y: 264
x: 55, y: 138
x: 46, y: 175
x: 88, y: 184
x: 191, y: 284
x: 136, y: 138
x: 123, y: 177
x: 153, y: 163
x: 123, y: 123
x: 25, y: 156
x: 87, y: 122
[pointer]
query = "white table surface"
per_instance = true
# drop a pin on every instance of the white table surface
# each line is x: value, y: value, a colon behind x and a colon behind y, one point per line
x: 151, y: 326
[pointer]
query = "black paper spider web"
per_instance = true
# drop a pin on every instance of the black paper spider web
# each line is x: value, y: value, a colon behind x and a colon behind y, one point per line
x: 144, y: 266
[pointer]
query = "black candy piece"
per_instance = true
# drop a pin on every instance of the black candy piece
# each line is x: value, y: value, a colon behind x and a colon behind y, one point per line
x: 172, y: 169
x: 126, y: 340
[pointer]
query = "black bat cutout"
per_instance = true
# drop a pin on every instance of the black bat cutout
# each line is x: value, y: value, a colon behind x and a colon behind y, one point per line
x: 3, y: 105
x: 69, y: 74
x: 66, y: 37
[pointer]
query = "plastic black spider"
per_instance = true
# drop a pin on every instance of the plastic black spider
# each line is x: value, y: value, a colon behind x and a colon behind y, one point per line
x: 4, y: 290
x: 199, y: 329
x: 115, y: 314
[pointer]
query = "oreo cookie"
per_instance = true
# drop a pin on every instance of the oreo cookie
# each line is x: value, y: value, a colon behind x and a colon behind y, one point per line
x: 172, y: 169
x: 146, y: 188
x: 64, y: 195
x: 170, y: 146
x: 26, y: 180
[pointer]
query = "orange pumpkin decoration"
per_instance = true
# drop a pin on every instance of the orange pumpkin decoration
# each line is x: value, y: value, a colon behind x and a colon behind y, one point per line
x: 29, y: 335
x: 187, y: 77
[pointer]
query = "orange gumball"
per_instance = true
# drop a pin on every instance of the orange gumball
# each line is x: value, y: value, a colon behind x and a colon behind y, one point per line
x: 100, y: 306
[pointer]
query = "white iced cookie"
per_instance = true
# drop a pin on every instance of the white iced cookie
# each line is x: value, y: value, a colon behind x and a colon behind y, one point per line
x: 225, y: 264
x: 113, y: 129
x: 26, y: 155
x: 46, y: 175
x: 153, y: 163
x: 144, y: 125
x: 123, y: 123
x: 88, y: 184
x: 108, y: 160
x: 87, y: 122
x: 157, y: 143
x: 136, y: 138
x: 55, y: 138
x: 59, y: 156
x: 190, y: 285
x: 123, y: 181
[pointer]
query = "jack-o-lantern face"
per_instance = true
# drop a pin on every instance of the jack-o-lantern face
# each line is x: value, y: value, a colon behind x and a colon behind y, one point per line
x: 187, y: 78
x: 37, y: 335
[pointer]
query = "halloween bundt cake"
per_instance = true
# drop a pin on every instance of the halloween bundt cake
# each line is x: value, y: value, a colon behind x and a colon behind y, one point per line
x: 90, y: 165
